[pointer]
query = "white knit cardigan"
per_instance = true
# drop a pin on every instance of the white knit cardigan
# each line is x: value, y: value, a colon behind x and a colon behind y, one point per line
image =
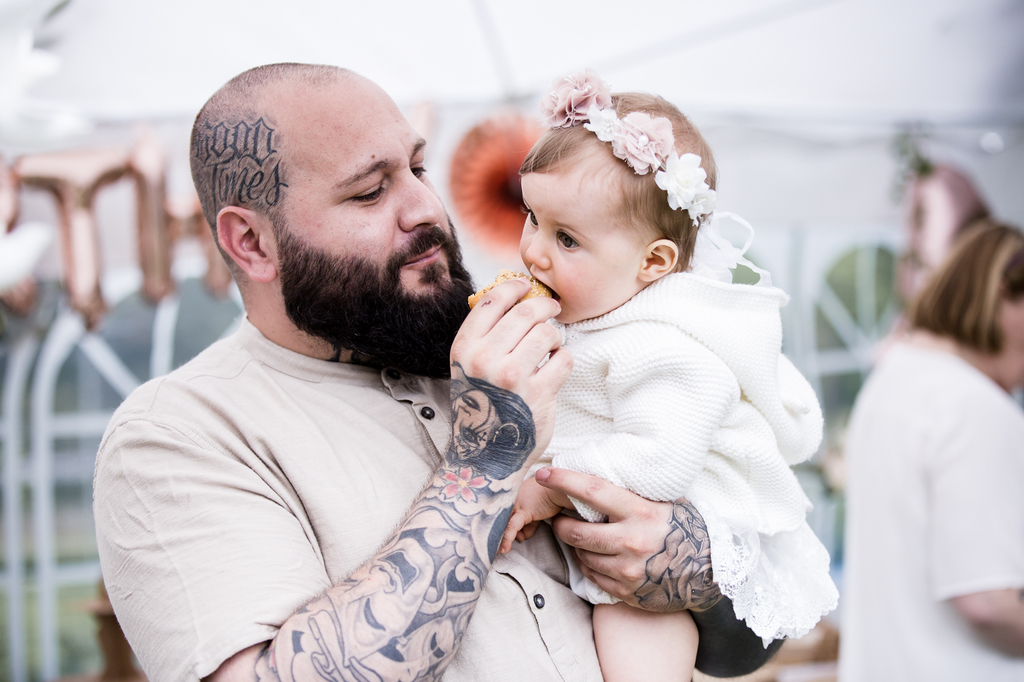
x: 683, y: 392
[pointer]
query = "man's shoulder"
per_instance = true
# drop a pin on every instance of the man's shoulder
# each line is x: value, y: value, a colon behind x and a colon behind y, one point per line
x: 197, y: 379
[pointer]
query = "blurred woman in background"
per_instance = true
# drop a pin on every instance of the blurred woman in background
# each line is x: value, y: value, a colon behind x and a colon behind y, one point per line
x: 934, y: 571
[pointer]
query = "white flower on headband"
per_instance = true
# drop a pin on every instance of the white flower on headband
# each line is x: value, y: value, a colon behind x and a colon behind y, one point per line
x: 603, y: 123
x: 684, y: 180
x: 703, y: 204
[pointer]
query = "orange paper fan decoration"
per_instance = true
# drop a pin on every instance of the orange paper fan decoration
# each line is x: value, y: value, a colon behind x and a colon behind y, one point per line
x: 485, y: 179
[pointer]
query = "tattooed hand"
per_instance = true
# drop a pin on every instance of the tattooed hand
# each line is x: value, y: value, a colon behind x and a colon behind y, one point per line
x: 654, y: 555
x: 503, y: 345
x: 680, y: 576
x: 492, y: 428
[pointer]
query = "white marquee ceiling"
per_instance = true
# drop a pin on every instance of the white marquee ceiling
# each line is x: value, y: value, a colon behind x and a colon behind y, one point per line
x: 840, y: 61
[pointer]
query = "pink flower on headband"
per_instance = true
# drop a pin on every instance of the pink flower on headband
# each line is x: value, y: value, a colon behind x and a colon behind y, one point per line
x: 643, y: 142
x: 571, y: 97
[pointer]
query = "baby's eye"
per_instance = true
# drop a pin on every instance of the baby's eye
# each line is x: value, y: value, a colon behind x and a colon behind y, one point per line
x: 567, y: 241
x: 533, y: 218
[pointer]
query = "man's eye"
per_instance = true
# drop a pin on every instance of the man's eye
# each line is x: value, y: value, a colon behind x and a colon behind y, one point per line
x: 567, y: 241
x: 371, y: 196
x: 419, y: 171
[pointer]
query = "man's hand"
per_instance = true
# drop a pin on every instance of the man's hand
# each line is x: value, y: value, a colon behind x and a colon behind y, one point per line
x: 655, y: 555
x: 502, y: 346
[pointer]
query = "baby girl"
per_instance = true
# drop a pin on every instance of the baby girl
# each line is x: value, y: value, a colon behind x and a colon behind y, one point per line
x: 679, y: 387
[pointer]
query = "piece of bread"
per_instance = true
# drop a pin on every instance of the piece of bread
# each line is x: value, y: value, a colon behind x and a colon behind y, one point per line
x: 537, y: 288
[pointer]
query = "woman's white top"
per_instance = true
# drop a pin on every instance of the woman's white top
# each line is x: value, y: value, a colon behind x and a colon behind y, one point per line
x: 683, y: 392
x: 934, y: 510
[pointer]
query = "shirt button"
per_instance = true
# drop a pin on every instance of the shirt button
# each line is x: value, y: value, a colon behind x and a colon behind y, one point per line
x: 538, y: 599
x: 394, y: 374
x: 427, y: 412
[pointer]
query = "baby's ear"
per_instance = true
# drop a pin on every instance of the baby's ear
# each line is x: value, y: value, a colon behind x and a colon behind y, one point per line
x: 660, y: 259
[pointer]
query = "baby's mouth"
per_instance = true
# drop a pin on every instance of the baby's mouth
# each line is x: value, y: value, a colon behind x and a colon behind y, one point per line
x: 554, y: 294
x: 534, y: 278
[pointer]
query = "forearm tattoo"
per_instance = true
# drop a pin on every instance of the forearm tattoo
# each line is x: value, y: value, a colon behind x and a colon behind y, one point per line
x: 402, y: 615
x: 680, y: 576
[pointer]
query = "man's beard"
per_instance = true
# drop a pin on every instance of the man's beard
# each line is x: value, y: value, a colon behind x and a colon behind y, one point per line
x: 357, y: 305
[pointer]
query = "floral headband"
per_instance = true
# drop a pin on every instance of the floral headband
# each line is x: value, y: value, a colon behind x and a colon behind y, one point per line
x: 643, y: 142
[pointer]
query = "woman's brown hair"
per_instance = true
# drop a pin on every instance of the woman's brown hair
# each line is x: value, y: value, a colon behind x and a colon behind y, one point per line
x: 961, y: 299
x: 644, y: 205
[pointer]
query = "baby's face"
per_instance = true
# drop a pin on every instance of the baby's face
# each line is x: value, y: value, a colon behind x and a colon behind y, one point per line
x: 574, y: 241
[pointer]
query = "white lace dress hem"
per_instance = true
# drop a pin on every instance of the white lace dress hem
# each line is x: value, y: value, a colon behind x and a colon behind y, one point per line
x: 779, y: 584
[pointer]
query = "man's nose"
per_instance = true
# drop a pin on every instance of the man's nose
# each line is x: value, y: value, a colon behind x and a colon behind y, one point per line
x: 420, y: 206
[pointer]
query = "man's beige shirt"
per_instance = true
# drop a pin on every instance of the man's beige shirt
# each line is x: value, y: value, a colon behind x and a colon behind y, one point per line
x: 244, y: 484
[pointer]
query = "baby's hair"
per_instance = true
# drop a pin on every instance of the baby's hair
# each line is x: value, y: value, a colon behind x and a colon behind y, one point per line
x: 644, y: 205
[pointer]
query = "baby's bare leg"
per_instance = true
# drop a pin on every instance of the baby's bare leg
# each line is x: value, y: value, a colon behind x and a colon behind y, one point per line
x: 634, y: 645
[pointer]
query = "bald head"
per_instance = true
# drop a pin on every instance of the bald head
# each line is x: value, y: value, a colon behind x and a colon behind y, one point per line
x: 238, y: 149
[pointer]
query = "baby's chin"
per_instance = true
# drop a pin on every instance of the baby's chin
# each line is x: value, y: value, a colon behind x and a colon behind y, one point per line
x: 571, y: 319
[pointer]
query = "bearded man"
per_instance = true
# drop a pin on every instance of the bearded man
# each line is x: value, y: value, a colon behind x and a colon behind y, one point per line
x: 295, y: 503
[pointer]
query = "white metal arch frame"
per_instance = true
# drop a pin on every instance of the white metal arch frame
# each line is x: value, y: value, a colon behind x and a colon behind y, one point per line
x: 66, y: 334
x: 858, y: 330
x: 19, y: 366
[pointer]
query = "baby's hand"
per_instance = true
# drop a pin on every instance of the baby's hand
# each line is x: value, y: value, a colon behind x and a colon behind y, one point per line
x: 533, y: 504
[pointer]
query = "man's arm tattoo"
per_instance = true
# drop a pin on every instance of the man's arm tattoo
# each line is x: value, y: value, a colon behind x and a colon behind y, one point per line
x: 402, y: 615
x: 680, y: 575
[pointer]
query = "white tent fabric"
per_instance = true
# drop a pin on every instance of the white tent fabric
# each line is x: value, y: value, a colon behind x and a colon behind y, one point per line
x: 833, y: 60
x: 825, y: 75
x: 799, y: 98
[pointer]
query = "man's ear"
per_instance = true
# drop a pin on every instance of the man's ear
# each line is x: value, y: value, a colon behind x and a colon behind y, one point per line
x: 248, y: 238
x: 660, y: 259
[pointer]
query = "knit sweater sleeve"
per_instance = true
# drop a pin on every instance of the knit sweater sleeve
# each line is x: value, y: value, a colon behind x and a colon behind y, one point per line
x: 668, y: 395
x: 797, y: 421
